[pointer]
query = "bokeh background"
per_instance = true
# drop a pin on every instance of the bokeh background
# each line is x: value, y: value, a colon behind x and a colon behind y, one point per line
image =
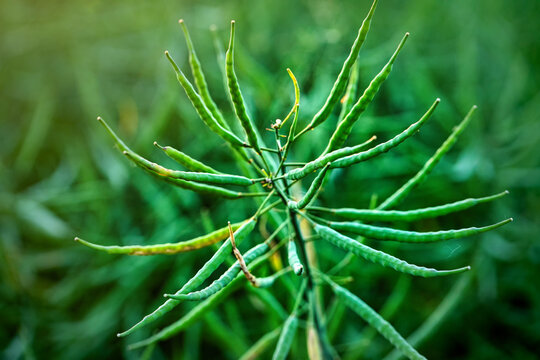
x: 62, y: 63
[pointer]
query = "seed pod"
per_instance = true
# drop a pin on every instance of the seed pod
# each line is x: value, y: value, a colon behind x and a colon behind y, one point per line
x: 376, y: 321
x: 384, y: 233
x: 220, y: 179
x: 191, y: 317
x: 379, y: 257
x: 341, y: 82
x: 201, y: 108
x: 204, y: 273
x: 169, y: 248
x: 200, y: 80
x: 186, y: 160
x: 384, y: 147
x: 344, y: 128
x: 224, y: 280
x: 312, y: 191
x: 321, y: 161
x: 294, y: 260
x: 286, y: 338
x: 403, y: 191
x: 155, y: 169
x: 236, y: 96
x: 409, y: 215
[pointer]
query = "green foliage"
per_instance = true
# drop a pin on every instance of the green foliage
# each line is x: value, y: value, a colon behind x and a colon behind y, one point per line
x: 64, y: 63
x: 277, y: 183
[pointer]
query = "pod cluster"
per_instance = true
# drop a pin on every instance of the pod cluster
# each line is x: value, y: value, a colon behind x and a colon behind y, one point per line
x: 275, y: 187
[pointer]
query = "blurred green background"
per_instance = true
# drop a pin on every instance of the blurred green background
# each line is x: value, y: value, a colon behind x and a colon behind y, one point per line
x: 62, y: 63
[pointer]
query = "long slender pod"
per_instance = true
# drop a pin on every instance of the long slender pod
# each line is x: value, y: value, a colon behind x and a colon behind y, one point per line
x: 385, y: 233
x: 204, y: 272
x: 168, y: 248
x: 344, y: 127
x: 209, y: 189
x: 376, y: 321
x: 341, y: 81
x: 224, y: 280
x: 286, y: 338
x: 321, y: 161
x: 350, y: 159
x: 407, y: 215
x: 149, y: 167
x: 201, y: 108
x: 386, y: 146
x: 379, y: 257
x: 312, y: 191
x: 289, y: 328
x: 236, y: 95
x: 200, y: 80
x: 186, y: 160
x: 437, y: 318
x: 191, y: 317
x: 219, y: 179
x: 403, y: 191
x: 202, y: 308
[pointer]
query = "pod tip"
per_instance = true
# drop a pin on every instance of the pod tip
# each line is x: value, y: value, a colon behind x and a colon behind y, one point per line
x: 77, y: 239
x: 407, y: 33
x: 181, y: 21
x: 438, y: 100
x: 167, y: 52
x: 233, y: 21
x: 506, y: 192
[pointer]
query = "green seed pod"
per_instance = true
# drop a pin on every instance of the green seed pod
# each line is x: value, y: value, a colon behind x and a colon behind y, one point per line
x: 350, y: 159
x: 344, y: 128
x: 386, y: 146
x: 312, y: 191
x: 383, y: 233
x: 286, y: 338
x: 236, y: 96
x: 155, y: 169
x: 191, y: 317
x: 169, y: 248
x: 201, y: 108
x: 409, y: 215
x: 186, y: 160
x: 321, y: 161
x: 200, y: 81
x: 294, y: 260
x: 376, y: 321
x: 403, y: 191
x: 379, y: 257
x: 224, y: 280
x: 341, y: 82
x: 220, y: 179
x: 204, y: 273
